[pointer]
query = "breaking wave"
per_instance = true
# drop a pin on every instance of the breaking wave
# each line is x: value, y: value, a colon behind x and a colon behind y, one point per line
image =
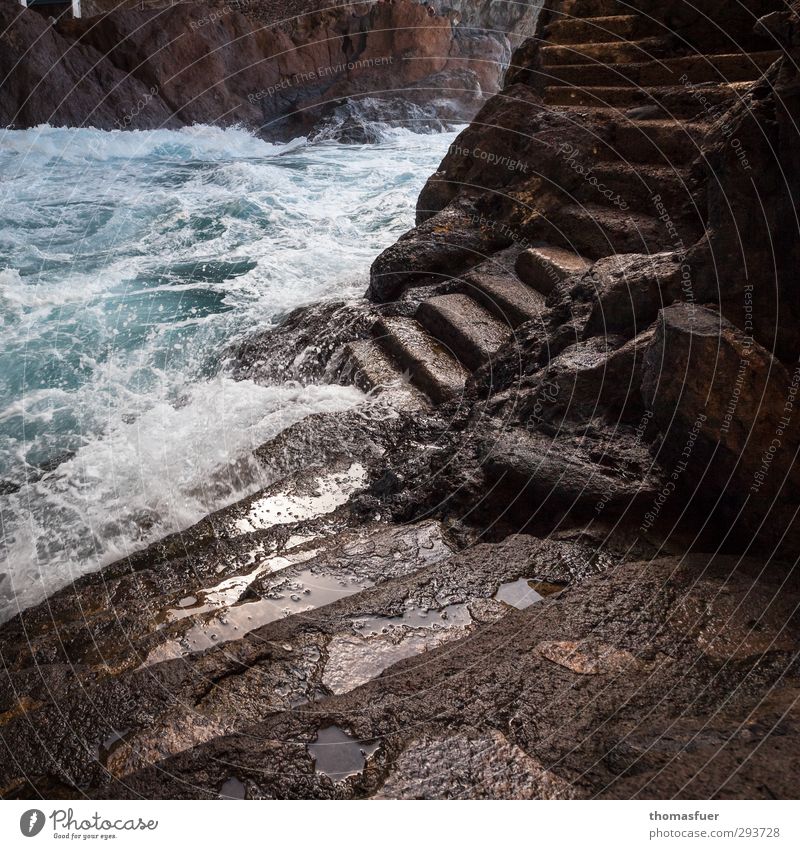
x: 129, y: 261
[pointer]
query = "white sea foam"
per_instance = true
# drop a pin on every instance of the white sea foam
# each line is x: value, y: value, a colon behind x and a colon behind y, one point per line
x: 201, y: 142
x: 144, y: 479
x: 128, y: 262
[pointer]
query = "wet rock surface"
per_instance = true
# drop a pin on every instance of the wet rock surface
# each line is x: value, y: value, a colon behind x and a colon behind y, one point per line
x: 649, y: 679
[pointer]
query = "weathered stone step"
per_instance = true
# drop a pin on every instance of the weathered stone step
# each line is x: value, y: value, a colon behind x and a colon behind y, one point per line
x: 731, y: 67
x: 495, y: 284
x: 371, y: 369
x: 620, y: 184
x: 545, y: 266
x: 577, y: 20
x: 686, y: 102
x: 604, y: 52
x: 655, y: 141
x: 608, y: 28
x: 464, y: 327
x: 433, y: 369
x: 597, y: 231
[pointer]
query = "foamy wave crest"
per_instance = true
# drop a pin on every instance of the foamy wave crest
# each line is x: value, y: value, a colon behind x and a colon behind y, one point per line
x: 86, y: 145
x: 129, y: 261
x: 142, y: 480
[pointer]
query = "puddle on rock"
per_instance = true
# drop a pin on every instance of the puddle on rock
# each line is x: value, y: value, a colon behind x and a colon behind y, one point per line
x: 282, y: 508
x: 303, y: 592
x: 230, y: 591
x: 353, y: 661
x: 382, y: 641
x: 233, y: 789
x: 454, y: 615
x: 338, y: 755
x: 524, y: 592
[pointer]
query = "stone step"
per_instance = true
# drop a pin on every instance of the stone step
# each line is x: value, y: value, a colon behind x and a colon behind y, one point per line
x: 432, y: 368
x: 366, y: 365
x: 603, y: 29
x: 654, y: 8
x: 634, y: 185
x: 655, y: 141
x: 543, y: 267
x: 596, y: 231
x: 497, y: 287
x: 731, y: 67
x: 644, y: 50
x: 681, y: 102
x: 464, y: 327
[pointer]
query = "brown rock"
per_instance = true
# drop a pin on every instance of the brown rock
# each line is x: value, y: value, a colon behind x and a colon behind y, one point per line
x: 727, y: 411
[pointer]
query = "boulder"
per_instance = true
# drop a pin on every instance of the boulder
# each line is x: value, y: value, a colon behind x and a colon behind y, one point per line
x: 444, y: 247
x: 728, y: 414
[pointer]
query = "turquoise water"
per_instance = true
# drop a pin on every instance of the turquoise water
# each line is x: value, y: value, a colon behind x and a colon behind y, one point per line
x: 128, y: 263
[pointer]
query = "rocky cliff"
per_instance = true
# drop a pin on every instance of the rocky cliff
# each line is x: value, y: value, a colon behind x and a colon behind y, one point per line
x: 516, y: 18
x: 177, y: 65
x: 632, y: 230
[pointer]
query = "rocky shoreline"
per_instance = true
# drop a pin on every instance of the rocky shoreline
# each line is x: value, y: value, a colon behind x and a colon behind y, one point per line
x: 327, y: 69
x: 554, y: 555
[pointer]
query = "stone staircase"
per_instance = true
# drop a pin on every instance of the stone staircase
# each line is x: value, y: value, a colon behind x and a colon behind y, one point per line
x: 655, y: 90
x: 430, y: 355
x: 658, y: 93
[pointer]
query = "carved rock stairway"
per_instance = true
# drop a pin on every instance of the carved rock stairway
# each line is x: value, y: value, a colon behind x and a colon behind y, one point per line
x: 621, y: 63
x: 452, y: 335
x: 653, y: 90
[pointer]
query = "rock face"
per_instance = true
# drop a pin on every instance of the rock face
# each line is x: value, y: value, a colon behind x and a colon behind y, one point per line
x: 751, y: 243
x: 58, y: 83
x: 734, y: 423
x: 620, y: 186
x: 518, y: 19
x: 553, y: 557
x: 141, y: 68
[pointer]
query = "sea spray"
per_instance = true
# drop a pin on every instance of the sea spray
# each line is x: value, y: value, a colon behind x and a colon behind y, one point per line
x: 129, y: 261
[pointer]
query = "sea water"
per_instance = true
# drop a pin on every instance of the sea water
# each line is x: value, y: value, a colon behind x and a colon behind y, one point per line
x: 129, y: 263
